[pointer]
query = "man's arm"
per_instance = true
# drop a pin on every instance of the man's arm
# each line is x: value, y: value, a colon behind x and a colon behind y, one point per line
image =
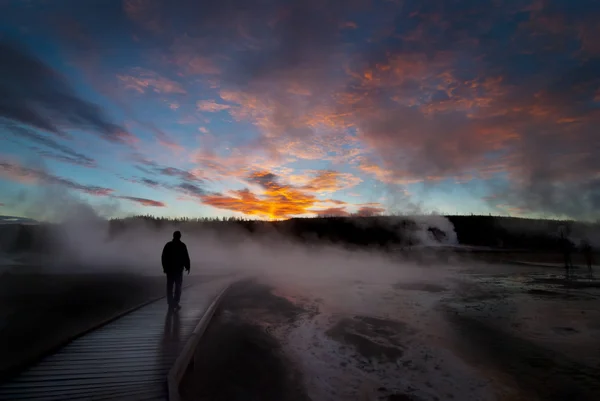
x: 165, y: 258
x: 186, y: 258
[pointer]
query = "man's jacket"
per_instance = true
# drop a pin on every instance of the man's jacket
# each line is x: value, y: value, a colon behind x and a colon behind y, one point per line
x: 175, y: 257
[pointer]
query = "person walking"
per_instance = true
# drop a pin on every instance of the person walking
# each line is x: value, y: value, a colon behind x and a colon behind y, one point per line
x: 587, y: 250
x: 567, y: 247
x: 175, y: 258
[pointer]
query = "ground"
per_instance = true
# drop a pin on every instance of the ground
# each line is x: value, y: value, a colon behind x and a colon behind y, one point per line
x: 488, y: 332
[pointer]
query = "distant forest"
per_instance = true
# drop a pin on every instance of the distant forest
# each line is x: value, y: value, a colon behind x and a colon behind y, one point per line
x: 385, y: 232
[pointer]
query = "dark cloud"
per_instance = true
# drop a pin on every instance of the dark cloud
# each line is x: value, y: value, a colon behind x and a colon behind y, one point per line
x: 144, y: 181
x: 83, y: 162
x: 265, y: 179
x: 149, y: 182
x: 190, y: 189
x: 179, y: 173
x: 150, y: 166
x: 35, y: 95
x: 188, y: 183
x: 65, y: 153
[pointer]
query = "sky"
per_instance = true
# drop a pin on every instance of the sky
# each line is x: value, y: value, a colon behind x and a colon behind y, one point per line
x: 275, y: 109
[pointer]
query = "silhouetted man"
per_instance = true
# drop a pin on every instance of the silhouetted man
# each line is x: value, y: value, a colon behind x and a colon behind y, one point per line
x: 175, y: 258
x: 586, y: 248
x: 567, y: 246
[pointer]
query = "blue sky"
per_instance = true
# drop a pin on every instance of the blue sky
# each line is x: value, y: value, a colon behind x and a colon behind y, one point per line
x: 274, y: 109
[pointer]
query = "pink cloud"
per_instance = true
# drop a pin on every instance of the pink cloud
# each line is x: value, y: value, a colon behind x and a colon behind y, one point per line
x: 142, y: 80
x: 143, y: 201
x: 367, y: 211
x: 16, y: 172
x: 332, y: 211
x: 210, y: 106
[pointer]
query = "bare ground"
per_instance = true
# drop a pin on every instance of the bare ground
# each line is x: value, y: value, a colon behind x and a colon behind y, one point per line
x: 238, y: 359
x: 501, y: 333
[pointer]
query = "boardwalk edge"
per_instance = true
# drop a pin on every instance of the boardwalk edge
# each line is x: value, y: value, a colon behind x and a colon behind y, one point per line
x: 183, y: 360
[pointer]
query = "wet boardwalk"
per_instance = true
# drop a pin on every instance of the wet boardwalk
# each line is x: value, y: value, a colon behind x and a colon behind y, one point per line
x: 126, y: 359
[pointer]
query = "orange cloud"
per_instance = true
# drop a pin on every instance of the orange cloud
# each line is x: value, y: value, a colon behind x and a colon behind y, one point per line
x: 275, y: 200
x: 332, y: 181
x: 387, y: 176
x: 277, y: 203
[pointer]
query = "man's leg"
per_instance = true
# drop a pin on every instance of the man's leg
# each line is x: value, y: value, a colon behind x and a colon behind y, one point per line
x: 170, y: 282
x: 177, y: 296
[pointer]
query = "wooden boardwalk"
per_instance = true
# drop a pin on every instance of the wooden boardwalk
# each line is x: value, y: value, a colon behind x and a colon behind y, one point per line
x: 128, y: 359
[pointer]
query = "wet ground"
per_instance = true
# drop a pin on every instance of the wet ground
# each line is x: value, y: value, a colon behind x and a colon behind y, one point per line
x: 485, y: 332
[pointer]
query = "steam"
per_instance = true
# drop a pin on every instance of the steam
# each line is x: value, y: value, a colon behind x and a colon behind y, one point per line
x: 84, y: 240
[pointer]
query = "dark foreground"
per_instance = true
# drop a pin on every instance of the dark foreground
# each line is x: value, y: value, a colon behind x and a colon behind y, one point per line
x: 501, y: 333
x: 39, y: 311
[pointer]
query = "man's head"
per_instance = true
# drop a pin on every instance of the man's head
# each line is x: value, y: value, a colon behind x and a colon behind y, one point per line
x: 177, y: 235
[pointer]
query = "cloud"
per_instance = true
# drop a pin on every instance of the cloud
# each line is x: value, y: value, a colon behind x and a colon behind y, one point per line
x: 143, y: 201
x: 176, y: 172
x: 273, y: 205
x: 275, y: 200
x: 149, y: 182
x: 328, y: 181
x: 185, y: 182
x: 65, y: 153
x: 35, y: 95
x: 190, y: 189
x: 442, y: 97
x: 505, y: 92
x: 366, y: 211
x: 186, y: 56
x: 19, y: 173
x: 77, y: 161
x: 142, y: 80
x: 16, y: 172
x: 144, y: 181
x: 210, y: 106
x: 332, y: 211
